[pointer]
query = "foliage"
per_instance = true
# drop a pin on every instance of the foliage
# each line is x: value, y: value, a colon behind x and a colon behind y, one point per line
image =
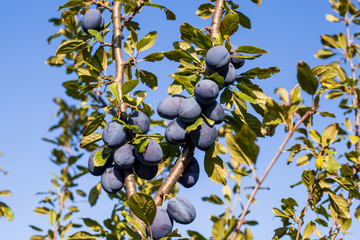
x: 5, y: 210
x: 331, y: 182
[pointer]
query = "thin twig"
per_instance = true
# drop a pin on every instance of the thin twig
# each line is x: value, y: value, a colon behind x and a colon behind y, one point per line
x: 251, y: 199
x: 100, y: 4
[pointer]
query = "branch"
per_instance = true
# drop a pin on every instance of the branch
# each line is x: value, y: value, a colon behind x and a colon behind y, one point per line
x: 175, y: 173
x: 216, y: 20
x: 288, y: 136
x: 100, y: 4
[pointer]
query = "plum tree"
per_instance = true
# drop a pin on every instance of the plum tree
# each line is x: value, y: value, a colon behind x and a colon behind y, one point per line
x: 204, y: 136
x: 168, y: 107
x: 175, y: 132
x: 191, y: 174
x: 206, y: 91
x: 215, y: 112
x: 139, y: 119
x: 98, y: 170
x: 153, y: 154
x: 189, y: 110
x: 181, y: 210
x: 145, y: 172
x: 124, y: 156
x: 112, y: 180
x: 114, y: 134
x: 162, y: 224
x: 229, y: 74
x: 235, y: 60
x: 217, y: 58
x: 92, y: 19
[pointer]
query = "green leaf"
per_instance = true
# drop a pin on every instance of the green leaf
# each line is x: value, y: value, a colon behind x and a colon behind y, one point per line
x: 201, y: 40
x: 82, y: 236
x: 329, y: 134
x: 5, y: 193
x: 87, y: 140
x: 97, y: 35
x: 331, y: 164
x: 52, y: 217
x: 94, y: 194
x: 213, y: 199
x: 129, y: 85
x: 6, y: 211
x: 244, y: 20
x: 152, y: 57
x: 258, y: 2
x: 261, y: 73
x: 229, y: 25
x: 308, y: 177
x: 148, y: 78
x: 215, y: 168
x: 309, y: 229
x: 324, y: 53
x: 71, y: 3
x: 147, y: 41
x: 250, y: 50
x: 332, y: 18
x: 128, y: 231
x: 101, y: 157
x: 114, y: 91
x: 93, y: 225
x: 219, y: 228
x: 307, y: 80
x: 177, y: 54
x: 37, y: 237
x: 101, y: 57
x: 143, y: 206
x: 196, y: 235
x: 94, y: 124
x: 340, y: 205
x: 205, y: 10
x: 315, y: 135
x: 242, y: 146
x: 195, y: 125
x: 133, y: 222
x: 70, y: 46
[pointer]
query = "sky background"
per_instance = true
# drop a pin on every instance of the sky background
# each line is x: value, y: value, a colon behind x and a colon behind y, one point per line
x: 289, y: 30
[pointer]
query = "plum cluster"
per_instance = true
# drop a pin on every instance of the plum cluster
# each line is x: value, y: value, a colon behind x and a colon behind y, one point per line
x: 179, y: 209
x: 185, y: 111
x: 92, y: 19
x: 219, y: 59
x: 119, y: 154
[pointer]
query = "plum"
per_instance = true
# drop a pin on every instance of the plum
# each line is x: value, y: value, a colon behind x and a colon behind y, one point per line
x: 189, y: 110
x: 139, y: 119
x: 206, y: 91
x: 204, y: 136
x: 175, y: 132
x: 124, y: 156
x: 215, y: 112
x: 168, y: 107
x: 145, y: 172
x: 92, y: 19
x: 162, y: 224
x: 152, y: 155
x: 181, y: 210
x: 98, y: 170
x: 112, y: 180
x: 217, y: 58
x: 114, y: 134
x: 229, y: 74
x: 190, y: 174
x: 237, y: 62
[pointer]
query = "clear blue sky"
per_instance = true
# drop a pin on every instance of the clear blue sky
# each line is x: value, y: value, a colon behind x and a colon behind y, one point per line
x: 289, y: 30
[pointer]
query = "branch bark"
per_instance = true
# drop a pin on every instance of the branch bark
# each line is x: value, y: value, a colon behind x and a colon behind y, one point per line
x: 216, y: 20
x: 257, y: 187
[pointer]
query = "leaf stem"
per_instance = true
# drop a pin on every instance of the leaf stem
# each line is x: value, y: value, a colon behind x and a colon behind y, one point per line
x: 251, y: 199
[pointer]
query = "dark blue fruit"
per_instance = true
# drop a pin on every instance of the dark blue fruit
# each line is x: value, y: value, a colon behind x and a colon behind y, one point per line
x: 175, y: 132
x: 214, y: 112
x: 206, y: 91
x: 139, y: 119
x: 181, y: 210
x: 168, y: 107
x: 114, y: 134
x: 204, y: 136
x: 217, y: 58
x: 162, y: 224
x: 191, y: 174
x: 92, y: 20
x: 237, y: 62
x: 145, y: 172
x: 124, y: 156
x: 98, y: 170
x: 189, y: 110
x: 229, y: 74
x: 152, y: 155
x: 112, y: 180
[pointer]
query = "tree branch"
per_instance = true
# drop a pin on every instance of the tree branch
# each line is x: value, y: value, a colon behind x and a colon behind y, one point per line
x: 216, y: 20
x: 257, y: 187
x: 175, y: 173
x: 100, y: 4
